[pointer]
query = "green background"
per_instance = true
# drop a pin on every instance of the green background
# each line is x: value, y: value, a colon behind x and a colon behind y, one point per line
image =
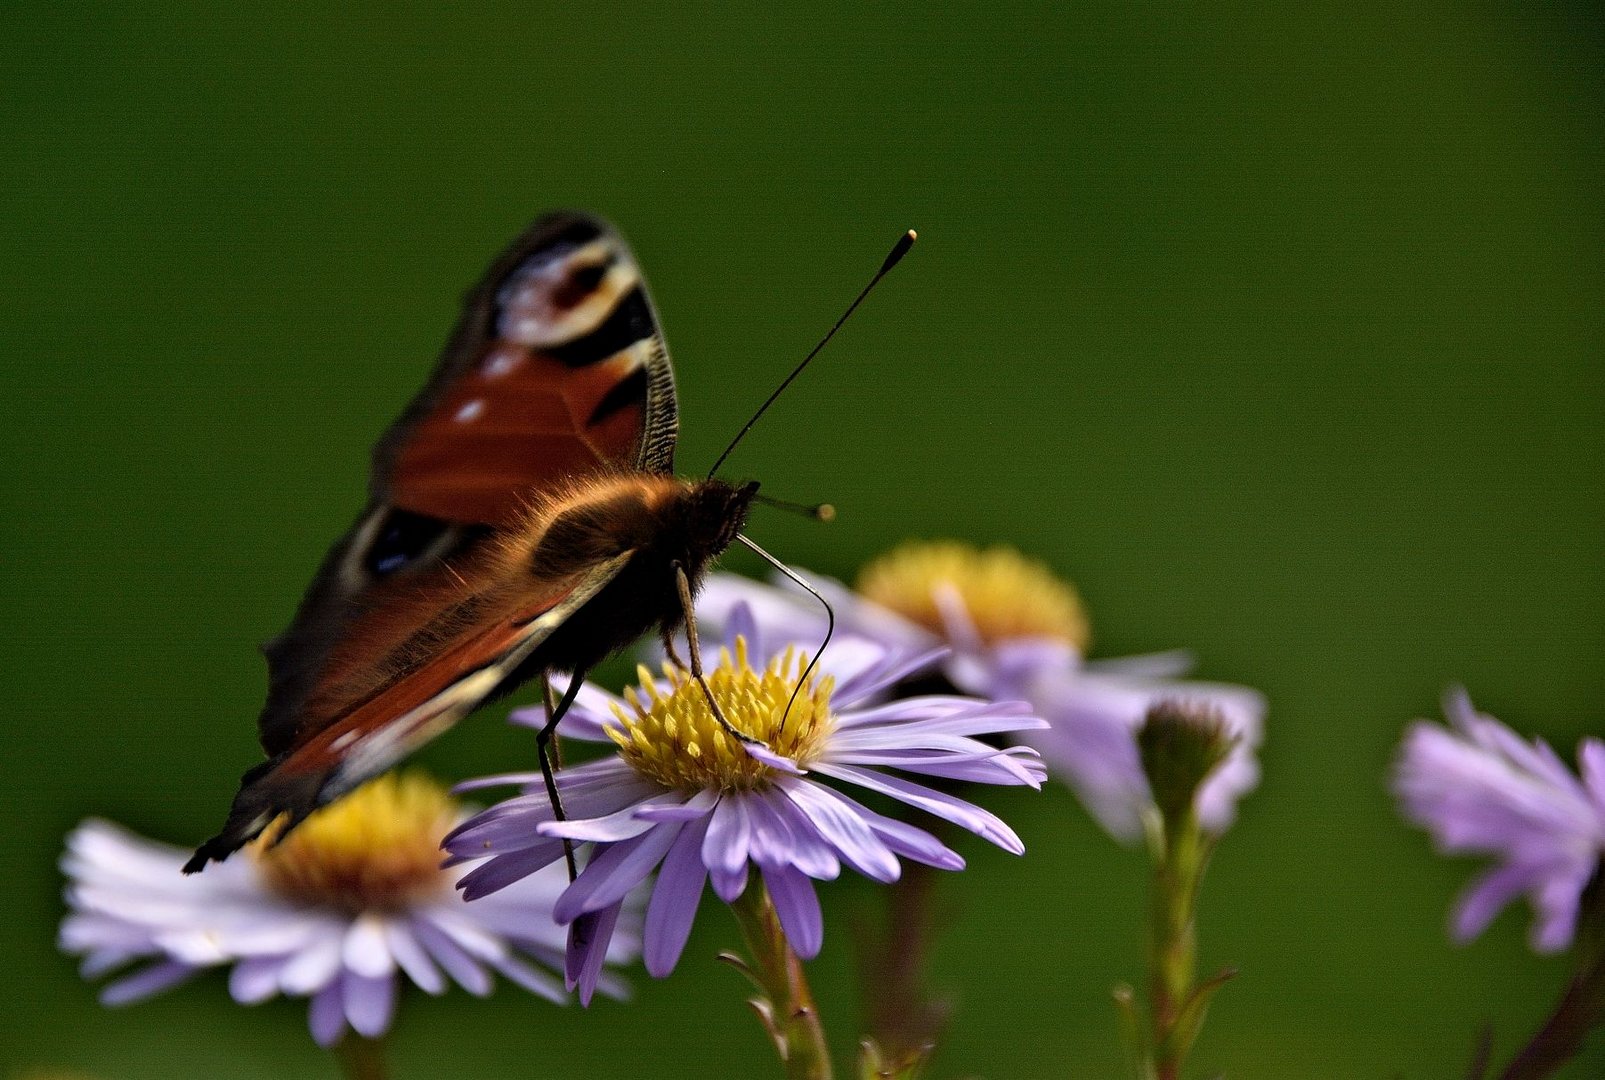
x: 1279, y: 331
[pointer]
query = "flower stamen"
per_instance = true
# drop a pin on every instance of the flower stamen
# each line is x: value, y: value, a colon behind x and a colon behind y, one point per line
x: 377, y: 848
x: 670, y: 735
x: 1006, y: 594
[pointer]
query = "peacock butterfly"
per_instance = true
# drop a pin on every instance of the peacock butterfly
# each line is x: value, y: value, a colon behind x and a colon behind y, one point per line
x: 523, y: 518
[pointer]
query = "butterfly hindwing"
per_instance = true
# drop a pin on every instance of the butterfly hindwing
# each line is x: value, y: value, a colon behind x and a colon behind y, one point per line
x: 365, y: 723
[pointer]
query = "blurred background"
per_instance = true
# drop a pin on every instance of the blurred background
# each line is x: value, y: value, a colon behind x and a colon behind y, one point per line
x: 1279, y: 331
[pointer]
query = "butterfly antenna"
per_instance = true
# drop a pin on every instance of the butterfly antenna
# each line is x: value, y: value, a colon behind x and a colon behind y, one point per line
x: 899, y: 249
x: 830, y: 618
x: 817, y: 511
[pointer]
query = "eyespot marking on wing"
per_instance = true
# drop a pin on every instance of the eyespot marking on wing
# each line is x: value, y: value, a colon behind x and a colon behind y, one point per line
x: 629, y: 322
x: 398, y: 538
x: 561, y: 294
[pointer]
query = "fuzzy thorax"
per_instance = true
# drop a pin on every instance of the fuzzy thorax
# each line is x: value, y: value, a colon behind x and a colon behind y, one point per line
x: 1005, y: 594
x: 671, y: 737
x: 377, y: 848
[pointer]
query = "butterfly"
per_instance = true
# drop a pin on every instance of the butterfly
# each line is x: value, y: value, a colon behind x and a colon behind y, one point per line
x: 523, y: 518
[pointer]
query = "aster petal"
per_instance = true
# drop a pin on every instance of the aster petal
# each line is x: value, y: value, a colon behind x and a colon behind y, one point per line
x: 1171, y: 664
x: 609, y: 876
x: 1591, y: 759
x: 899, y: 723
x: 979, y: 764
x: 675, y: 898
x: 912, y: 842
x: 871, y: 683
x: 412, y: 957
x: 265, y: 928
x: 458, y: 923
x: 796, y: 841
x: 313, y: 967
x: 146, y: 982
x: 91, y: 932
x: 255, y: 980
x: 780, y: 763
x: 957, y: 625
x: 500, y: 871
x: 1224, y: 788
x: 99, y: 849
x: 326, y: 1015
x: 589, y: 937
x: 834, y: 817
x: 365, y: 950
x: 724, y: 849
x: 1556, y: 900
x: 619, y: 825
x: 102, y: 961
x: 947, y: 807
x: 369, y: 1003
x: 693, y: 809
x: 743, y: 624
x: 536, y: 981
x: 586, y: 718
x: 463, y: 969
x: 797, y: 905
x: 586, y: 791
x: 1486, y: 896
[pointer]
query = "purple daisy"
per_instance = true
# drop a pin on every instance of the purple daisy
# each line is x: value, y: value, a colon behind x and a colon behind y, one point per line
x: 994, y: 623
x: 1480, y: 789
x: 346, y: 905
x: 681, y: 797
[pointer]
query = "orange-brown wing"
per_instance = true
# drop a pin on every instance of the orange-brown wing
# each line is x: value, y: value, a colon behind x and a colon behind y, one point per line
x: 439, y: 656
x: 556, y: 369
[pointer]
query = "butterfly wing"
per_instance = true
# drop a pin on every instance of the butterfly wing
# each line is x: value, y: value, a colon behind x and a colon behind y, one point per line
x: 556, y: 370
x: 451, y: 653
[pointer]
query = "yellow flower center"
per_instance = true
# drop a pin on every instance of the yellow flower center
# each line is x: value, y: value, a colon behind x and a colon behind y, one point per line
x: 378, y: 847
x: 1006, y: 594
x: 673, y: 739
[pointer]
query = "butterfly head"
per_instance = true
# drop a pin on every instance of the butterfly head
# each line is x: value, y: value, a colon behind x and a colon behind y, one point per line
x: 716, y: 511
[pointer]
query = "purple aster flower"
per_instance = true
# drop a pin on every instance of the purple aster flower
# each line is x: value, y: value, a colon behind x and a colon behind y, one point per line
x: 1012, y: 629
x: 348, y: 903
x: 987, y: 620
x: 1480, y: 789
x: 1094, y: 714
x: 681, y: 797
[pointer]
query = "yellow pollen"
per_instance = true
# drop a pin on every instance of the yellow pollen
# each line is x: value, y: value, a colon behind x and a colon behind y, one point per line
x: 673, y: 739
x: 1006, y: 594
x: 377, y: 848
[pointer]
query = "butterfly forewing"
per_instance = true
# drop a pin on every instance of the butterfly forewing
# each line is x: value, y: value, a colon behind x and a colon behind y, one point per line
x: 556, y: 369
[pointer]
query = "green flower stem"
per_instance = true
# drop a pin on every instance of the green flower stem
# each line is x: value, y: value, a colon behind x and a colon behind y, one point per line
x: 362, y: 1058
x: 904, y: 1020
x: 1180, y: 858
x: 1581, y: 1008
x: 788, y: 1008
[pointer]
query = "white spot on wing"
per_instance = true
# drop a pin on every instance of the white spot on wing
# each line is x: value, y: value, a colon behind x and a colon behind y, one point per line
x: 470, y: 411
x: 501, y: 362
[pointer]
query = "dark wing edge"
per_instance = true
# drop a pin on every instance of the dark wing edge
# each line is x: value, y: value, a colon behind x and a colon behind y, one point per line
x: 381, y: 731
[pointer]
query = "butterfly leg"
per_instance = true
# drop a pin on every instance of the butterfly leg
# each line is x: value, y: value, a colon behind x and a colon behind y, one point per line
x: 671, y: 652
x: 684, y: 585
x: 544, y: 749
